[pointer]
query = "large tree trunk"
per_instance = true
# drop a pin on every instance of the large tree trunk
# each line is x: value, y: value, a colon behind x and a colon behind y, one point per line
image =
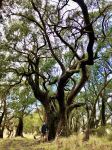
x: 19, y: 130
x: 63, y: 124
x: 51, y: 118
x: 56, y: 121
x: 52, y: 121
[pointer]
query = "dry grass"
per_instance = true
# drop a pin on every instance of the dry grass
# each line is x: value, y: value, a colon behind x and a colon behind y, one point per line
x: 72, y: 143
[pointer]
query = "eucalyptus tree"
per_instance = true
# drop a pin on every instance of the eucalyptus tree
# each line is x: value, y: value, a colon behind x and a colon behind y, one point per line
x: 99, y: 90
x: 50, y: 43
x: 106, y: 90
x: 96, y: 94
x: 20, y: 103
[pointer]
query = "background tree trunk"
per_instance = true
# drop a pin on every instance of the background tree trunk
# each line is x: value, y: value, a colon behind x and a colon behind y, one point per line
x: 103, y: 119
x: 1, y: 133
x: 19, y: 130
x: 1, y: 126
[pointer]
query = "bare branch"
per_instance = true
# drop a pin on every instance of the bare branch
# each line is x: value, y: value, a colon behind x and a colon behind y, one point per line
x: 77, y: 88
x: 89, y: 30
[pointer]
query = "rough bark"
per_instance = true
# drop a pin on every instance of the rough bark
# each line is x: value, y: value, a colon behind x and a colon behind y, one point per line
x: 51, y: 118
x: 52, y: 122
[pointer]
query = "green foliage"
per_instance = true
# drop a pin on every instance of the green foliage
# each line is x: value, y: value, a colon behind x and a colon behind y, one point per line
x: 32, y: 123
x: 101, y: 131
x: 47, y: 65
x: 21, y: 101
x: 17, y: 31
x: 24, y: 3
x: 110, y: 136
x: 109, y: 131
x: 67, y: 58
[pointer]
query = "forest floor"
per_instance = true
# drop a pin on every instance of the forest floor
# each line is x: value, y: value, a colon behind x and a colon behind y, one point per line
x: 74, y: 142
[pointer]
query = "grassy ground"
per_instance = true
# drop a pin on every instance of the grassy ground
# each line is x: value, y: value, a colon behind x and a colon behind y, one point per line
x: 71, y: 143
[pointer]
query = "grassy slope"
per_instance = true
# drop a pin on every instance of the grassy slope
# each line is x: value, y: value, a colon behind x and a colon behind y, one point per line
x: 71, y: 143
